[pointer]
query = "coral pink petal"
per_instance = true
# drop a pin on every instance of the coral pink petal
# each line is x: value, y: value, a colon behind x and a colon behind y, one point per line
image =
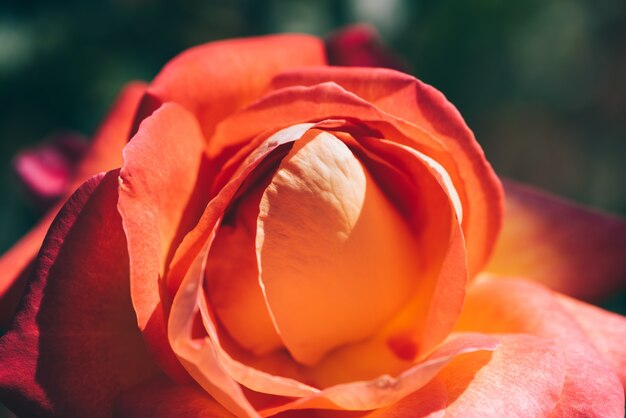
x: 501, y: 305
x: 160, y: 398
x: 163, y: 191
x: 523, y: 378
x: 214, y: 80
x: 74, y: 346
x: 569, y: 248
x: 606, y: 330
x: 411, y: 100
x: 105, y: 153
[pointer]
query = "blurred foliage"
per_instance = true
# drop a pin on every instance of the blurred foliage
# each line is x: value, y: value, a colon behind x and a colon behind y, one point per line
x: 541, y: 82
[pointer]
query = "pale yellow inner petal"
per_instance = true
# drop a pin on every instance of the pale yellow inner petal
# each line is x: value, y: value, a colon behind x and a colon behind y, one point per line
x: 336, y: 260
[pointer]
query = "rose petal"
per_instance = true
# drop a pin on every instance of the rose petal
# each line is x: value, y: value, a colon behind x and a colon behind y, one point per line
x: 523, y: 378
x: 160, y: 398
x: 606, y: 330
x: 105, y: 153
x: 428, y: 402
x: 74, y: 344
x: 163, y: 190
x: 214, y: 80
x: 407, y: 98
x: 500, y: 305
x: 571, y: 249
x: 330, y: 248
x: 231, y: 272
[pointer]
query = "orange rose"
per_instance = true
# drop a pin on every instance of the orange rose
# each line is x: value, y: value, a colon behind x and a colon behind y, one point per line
x: 284, y: 237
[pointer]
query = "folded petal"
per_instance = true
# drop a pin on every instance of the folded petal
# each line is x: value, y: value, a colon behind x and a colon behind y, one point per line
x: 163, y: 190
x: 160, y: 398
x: 500, y: 305
x: 386, y: 390
x: 214, y: 80
x: 74, y: 344
x: 105, y: 153
x: 569, y: 248
x: 606, y: 330
x: 415, y: 102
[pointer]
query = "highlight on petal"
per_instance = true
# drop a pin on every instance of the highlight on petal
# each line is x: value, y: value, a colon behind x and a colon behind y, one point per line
x: 74, y: 346
x: 503, y: 305
x: 214, y: 80
x: 104, y: 153
x: 423, y: 106
x: 163, y: 190
x: 569, y: 248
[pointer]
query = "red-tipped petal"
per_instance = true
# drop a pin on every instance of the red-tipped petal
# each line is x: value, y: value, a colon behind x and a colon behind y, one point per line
x: 569, y: 248
x: 105, y: 153
x: 74, y: 344
x: 499, y: 305
x: 162, y: 193
x: 214, y: 80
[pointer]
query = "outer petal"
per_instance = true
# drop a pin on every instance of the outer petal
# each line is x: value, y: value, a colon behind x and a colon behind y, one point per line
x: 569, y: 248
x: 523, y: 378
x: 214, y: 80
x: 105, y: 153
x: 163, y: 190
x: 499, y: 305
x: 606, y: 330
x: 160, y: 398
x: 74, y: 344
x: 411, y: 100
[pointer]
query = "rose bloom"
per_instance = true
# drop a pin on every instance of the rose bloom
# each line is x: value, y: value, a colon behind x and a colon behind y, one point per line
x: 272, y: 236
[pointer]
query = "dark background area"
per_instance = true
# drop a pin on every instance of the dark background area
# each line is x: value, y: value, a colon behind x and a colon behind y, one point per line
x: 541, y: 82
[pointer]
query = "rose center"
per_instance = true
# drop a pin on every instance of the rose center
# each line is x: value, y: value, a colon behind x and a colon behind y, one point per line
x: 336, y: 261
x: 312, y: 258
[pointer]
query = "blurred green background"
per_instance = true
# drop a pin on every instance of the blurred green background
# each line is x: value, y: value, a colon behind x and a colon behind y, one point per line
x: 541, y: 82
